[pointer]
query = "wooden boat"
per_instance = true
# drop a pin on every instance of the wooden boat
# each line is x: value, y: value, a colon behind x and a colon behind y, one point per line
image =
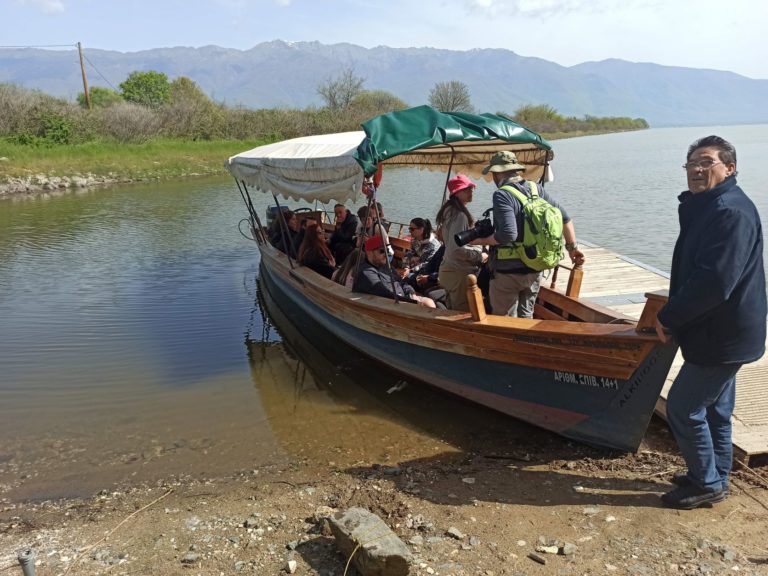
x: 578, y: 369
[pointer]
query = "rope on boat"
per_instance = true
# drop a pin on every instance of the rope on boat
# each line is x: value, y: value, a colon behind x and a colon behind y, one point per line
x: 284, y: 232
x: 240, y: 229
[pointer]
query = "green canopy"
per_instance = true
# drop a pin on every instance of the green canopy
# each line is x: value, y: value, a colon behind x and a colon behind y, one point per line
x: 427, y: 138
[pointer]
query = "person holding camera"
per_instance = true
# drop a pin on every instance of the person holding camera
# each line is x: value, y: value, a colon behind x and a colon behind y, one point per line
x: 458, y: 261
x: 514, y: 286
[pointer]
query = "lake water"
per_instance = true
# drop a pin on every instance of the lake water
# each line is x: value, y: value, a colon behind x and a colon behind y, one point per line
x: 133, y: 345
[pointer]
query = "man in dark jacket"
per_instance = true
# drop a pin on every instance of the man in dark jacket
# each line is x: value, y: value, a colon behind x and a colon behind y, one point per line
x: 375, y: 277
x: 717, y: 312
x: 343, y: 237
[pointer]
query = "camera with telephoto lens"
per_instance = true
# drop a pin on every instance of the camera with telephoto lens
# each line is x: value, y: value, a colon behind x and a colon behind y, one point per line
x: 482, y: 228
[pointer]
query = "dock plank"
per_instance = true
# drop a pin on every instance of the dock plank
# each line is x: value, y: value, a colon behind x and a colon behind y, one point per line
x: 619, y: 284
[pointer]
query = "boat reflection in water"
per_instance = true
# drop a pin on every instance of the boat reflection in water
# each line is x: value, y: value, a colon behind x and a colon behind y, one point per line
x: 327, y: 402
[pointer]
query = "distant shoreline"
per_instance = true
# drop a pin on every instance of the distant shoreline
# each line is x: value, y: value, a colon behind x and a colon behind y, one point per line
x: 29, y: 171
x: 43, y: 171
x: 40, y: 184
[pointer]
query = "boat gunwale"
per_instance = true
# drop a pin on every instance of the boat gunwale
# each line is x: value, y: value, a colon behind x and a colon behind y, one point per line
x: 490, y: 325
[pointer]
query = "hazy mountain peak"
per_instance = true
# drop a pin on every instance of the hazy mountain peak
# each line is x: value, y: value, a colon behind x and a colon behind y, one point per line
x: 283, y: 73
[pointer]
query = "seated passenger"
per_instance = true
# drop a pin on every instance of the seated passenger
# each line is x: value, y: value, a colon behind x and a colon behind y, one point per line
x: 345, y: 228
x: 367, y: 229
x: 424, y: 244
x: 425, y: 280
x: 383, y: 221
x: 426, y: 277
x: 374, y: 277
x: 287, y: 241
x: 314, y: 252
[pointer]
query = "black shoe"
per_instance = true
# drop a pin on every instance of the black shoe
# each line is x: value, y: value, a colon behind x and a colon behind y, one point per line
x: 681, y: 479
x: 691, y: 496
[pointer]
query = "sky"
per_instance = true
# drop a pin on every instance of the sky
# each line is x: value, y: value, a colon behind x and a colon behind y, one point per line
x: 714, y: 34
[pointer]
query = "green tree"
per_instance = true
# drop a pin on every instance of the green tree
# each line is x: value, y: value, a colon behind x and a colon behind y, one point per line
x: 190, y: 113
x: 450, y: 96
x: 184, y: 90
x: 374, y: 102
x: 151, y: 89
x: 339, y: 92
x: 100, y: 97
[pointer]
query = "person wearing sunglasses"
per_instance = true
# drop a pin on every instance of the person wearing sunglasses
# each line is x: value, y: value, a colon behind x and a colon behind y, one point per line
x: 377, y: 278
x: 716, y: 312
x: 424, y: 244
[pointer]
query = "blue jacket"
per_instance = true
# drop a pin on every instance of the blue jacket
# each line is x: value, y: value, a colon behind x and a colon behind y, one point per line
x: 717, y: 300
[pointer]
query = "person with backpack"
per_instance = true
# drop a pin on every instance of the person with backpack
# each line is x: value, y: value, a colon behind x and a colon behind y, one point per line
x: 529, y: 226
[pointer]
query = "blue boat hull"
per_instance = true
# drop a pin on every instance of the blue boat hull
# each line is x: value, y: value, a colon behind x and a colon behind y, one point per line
x: 596, y: 410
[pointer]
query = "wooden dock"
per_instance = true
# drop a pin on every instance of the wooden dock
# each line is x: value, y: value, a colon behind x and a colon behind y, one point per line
x: 621, y: 283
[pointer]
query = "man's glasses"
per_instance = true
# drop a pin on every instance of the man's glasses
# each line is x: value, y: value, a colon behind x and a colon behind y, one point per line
x: 382, y: 251
x: 701, y: 164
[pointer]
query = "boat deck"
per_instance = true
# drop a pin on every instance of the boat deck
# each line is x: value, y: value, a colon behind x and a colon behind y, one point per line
x: 621, y: 283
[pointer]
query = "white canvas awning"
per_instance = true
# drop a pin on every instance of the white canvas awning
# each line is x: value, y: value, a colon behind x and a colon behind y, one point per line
x: 313, y: 168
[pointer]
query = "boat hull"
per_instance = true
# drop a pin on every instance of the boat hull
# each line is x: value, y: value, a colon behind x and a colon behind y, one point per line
x: 600, y: 410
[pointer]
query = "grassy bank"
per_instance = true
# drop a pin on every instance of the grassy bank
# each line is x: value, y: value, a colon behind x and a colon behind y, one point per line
x: 156, y: 159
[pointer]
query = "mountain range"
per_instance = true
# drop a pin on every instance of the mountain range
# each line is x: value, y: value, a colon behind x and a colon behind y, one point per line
x: 287, y: 74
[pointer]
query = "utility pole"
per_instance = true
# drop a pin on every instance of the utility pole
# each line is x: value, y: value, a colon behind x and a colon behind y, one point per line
x: 85, y: 80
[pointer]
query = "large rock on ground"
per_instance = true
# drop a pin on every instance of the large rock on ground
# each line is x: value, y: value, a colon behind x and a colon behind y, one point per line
x: 380, y: 551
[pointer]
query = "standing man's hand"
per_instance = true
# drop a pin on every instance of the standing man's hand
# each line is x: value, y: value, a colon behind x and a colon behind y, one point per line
x: 577, y: 256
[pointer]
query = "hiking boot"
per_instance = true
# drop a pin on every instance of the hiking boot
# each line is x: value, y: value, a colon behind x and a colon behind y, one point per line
x: 681, y: 479
x: 691, y: 496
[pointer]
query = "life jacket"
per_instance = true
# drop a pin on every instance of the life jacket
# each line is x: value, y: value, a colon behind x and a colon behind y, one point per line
x: 542, y: 245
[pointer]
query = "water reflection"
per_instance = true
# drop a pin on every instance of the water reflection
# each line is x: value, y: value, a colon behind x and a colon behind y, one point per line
x: 324, y: 399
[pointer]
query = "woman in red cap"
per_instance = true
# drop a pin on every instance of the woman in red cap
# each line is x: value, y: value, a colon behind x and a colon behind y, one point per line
x: 458, y: 261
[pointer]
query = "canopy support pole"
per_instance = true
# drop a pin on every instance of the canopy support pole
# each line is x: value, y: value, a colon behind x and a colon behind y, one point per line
x: 385, y: 240
x: 284, y: 232
x: 256, y: 227
x: 448, y: 176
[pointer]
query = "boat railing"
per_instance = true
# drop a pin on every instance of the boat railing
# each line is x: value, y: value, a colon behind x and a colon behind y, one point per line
x: 552, y: 304
x: 653, y: 303
x: 573, y: 288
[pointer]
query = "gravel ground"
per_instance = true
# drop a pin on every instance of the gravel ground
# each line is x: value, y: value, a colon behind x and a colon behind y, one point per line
x: 546, y: 507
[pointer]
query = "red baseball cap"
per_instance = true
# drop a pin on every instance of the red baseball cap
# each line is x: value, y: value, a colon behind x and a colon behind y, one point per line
x: 374, y: 243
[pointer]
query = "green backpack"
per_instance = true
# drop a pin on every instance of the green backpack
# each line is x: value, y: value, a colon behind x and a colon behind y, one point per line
x: 542, y: 245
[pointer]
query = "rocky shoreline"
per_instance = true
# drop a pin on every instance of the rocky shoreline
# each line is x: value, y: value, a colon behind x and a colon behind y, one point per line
x: 469, y: 515
x: 42, y: 183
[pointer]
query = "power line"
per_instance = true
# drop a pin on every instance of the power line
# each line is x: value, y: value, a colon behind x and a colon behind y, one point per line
x: 69, y: 46
x: 44, y: 46
x: 99, y: 73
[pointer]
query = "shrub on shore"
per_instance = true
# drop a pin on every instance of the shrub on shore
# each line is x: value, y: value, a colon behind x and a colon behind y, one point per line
x: 32, y: 118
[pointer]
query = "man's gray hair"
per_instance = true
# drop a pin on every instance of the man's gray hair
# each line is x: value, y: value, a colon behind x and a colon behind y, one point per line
x: 725, y: 150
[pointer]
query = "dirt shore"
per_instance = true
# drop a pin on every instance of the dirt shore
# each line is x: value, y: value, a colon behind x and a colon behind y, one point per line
x: 501, y: 502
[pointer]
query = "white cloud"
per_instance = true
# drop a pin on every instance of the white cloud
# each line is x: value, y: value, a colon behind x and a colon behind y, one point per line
x: 543, y: 8
x: 284, y: 2
x: 47, y: 6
